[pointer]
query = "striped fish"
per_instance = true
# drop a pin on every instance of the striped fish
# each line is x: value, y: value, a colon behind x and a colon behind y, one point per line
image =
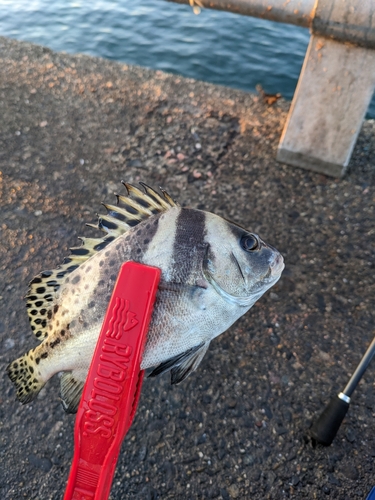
x: 212, y: 272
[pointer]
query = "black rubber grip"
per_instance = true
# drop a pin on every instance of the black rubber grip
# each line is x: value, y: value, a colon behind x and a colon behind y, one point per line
x: 324, y: 430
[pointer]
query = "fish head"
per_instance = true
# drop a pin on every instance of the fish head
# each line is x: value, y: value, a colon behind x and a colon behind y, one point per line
x: 238, y: 263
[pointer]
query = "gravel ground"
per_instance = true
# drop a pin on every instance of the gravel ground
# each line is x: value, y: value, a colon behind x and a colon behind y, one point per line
x: 71, y: 128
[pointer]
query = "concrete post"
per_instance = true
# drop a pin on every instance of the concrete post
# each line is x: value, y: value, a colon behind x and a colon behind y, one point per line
x: 334, y: 89
x: 332, y: 96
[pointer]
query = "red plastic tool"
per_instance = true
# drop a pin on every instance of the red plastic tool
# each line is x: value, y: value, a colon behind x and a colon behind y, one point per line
x: 112, y: 389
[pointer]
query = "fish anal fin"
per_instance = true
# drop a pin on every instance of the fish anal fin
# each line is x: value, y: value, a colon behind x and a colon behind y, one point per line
x: 71, y: 388
x: 183, y: 364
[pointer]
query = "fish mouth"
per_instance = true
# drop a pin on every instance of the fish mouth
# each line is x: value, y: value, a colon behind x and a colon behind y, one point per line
x: 275, y: 269
x: 277, y: 265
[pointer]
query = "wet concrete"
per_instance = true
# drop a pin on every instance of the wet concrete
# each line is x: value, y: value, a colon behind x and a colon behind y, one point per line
x: 71, y: 128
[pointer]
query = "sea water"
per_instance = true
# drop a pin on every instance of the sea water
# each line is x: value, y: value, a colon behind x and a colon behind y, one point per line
x: 218, y: 47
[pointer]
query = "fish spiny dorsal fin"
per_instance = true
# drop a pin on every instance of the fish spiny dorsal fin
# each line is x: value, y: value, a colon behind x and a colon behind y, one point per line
x: 131, y: 209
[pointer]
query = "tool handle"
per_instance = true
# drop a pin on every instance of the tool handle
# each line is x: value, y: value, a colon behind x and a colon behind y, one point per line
x: 324, y: 430
x: 113, y: 384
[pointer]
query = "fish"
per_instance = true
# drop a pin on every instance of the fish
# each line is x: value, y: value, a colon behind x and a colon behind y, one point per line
x: 212, y: 272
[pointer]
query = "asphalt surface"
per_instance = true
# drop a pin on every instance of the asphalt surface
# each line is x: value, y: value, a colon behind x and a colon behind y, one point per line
x: 71, y: 128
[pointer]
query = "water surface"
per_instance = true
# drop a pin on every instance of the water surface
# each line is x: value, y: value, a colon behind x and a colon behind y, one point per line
x: 217, y: 47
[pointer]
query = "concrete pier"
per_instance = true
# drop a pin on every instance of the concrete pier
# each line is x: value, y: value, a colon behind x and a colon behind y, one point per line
x: 71, y: 128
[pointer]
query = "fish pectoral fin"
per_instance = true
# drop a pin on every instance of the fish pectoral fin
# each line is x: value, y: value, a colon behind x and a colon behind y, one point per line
x: 71, y: 391
x: 189, y: 365
x: 183, y: 364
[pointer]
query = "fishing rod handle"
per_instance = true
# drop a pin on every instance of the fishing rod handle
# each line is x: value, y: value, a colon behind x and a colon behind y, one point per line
x: 324, y: 430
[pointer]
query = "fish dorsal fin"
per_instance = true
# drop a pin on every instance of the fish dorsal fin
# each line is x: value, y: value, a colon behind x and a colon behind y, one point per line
x: 131, y: 209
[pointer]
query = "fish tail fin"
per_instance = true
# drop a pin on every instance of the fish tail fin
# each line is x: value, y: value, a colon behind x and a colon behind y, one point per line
x: 24, y: 374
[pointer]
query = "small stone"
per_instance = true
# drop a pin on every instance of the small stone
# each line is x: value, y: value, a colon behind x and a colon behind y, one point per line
x: 9, y: 344
x: 294, y: 481
x: 44, y: 123
x: 271, y: 477
x: 142, y: 453
x: 42, y: 394
x: 248, y: 460
x: 202, y: 439
x: 233, y: 491
x: 37, y: 213
x: 254, y: 474
x: 281, y: 430
x: 350, y: 435
x: 135, y: 163
x: 267, y: 410
x: 349, y: 471
x: 55, y: 431
x: 55, y: 461
x: 232, y: 403
x: 155, y: 438
x: 333, y: 480
x: 43, y: 464
x: 213, y: 492
x: 224, y: 494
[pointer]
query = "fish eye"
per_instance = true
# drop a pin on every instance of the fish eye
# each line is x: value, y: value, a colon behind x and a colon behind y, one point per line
x: 249, y: 242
